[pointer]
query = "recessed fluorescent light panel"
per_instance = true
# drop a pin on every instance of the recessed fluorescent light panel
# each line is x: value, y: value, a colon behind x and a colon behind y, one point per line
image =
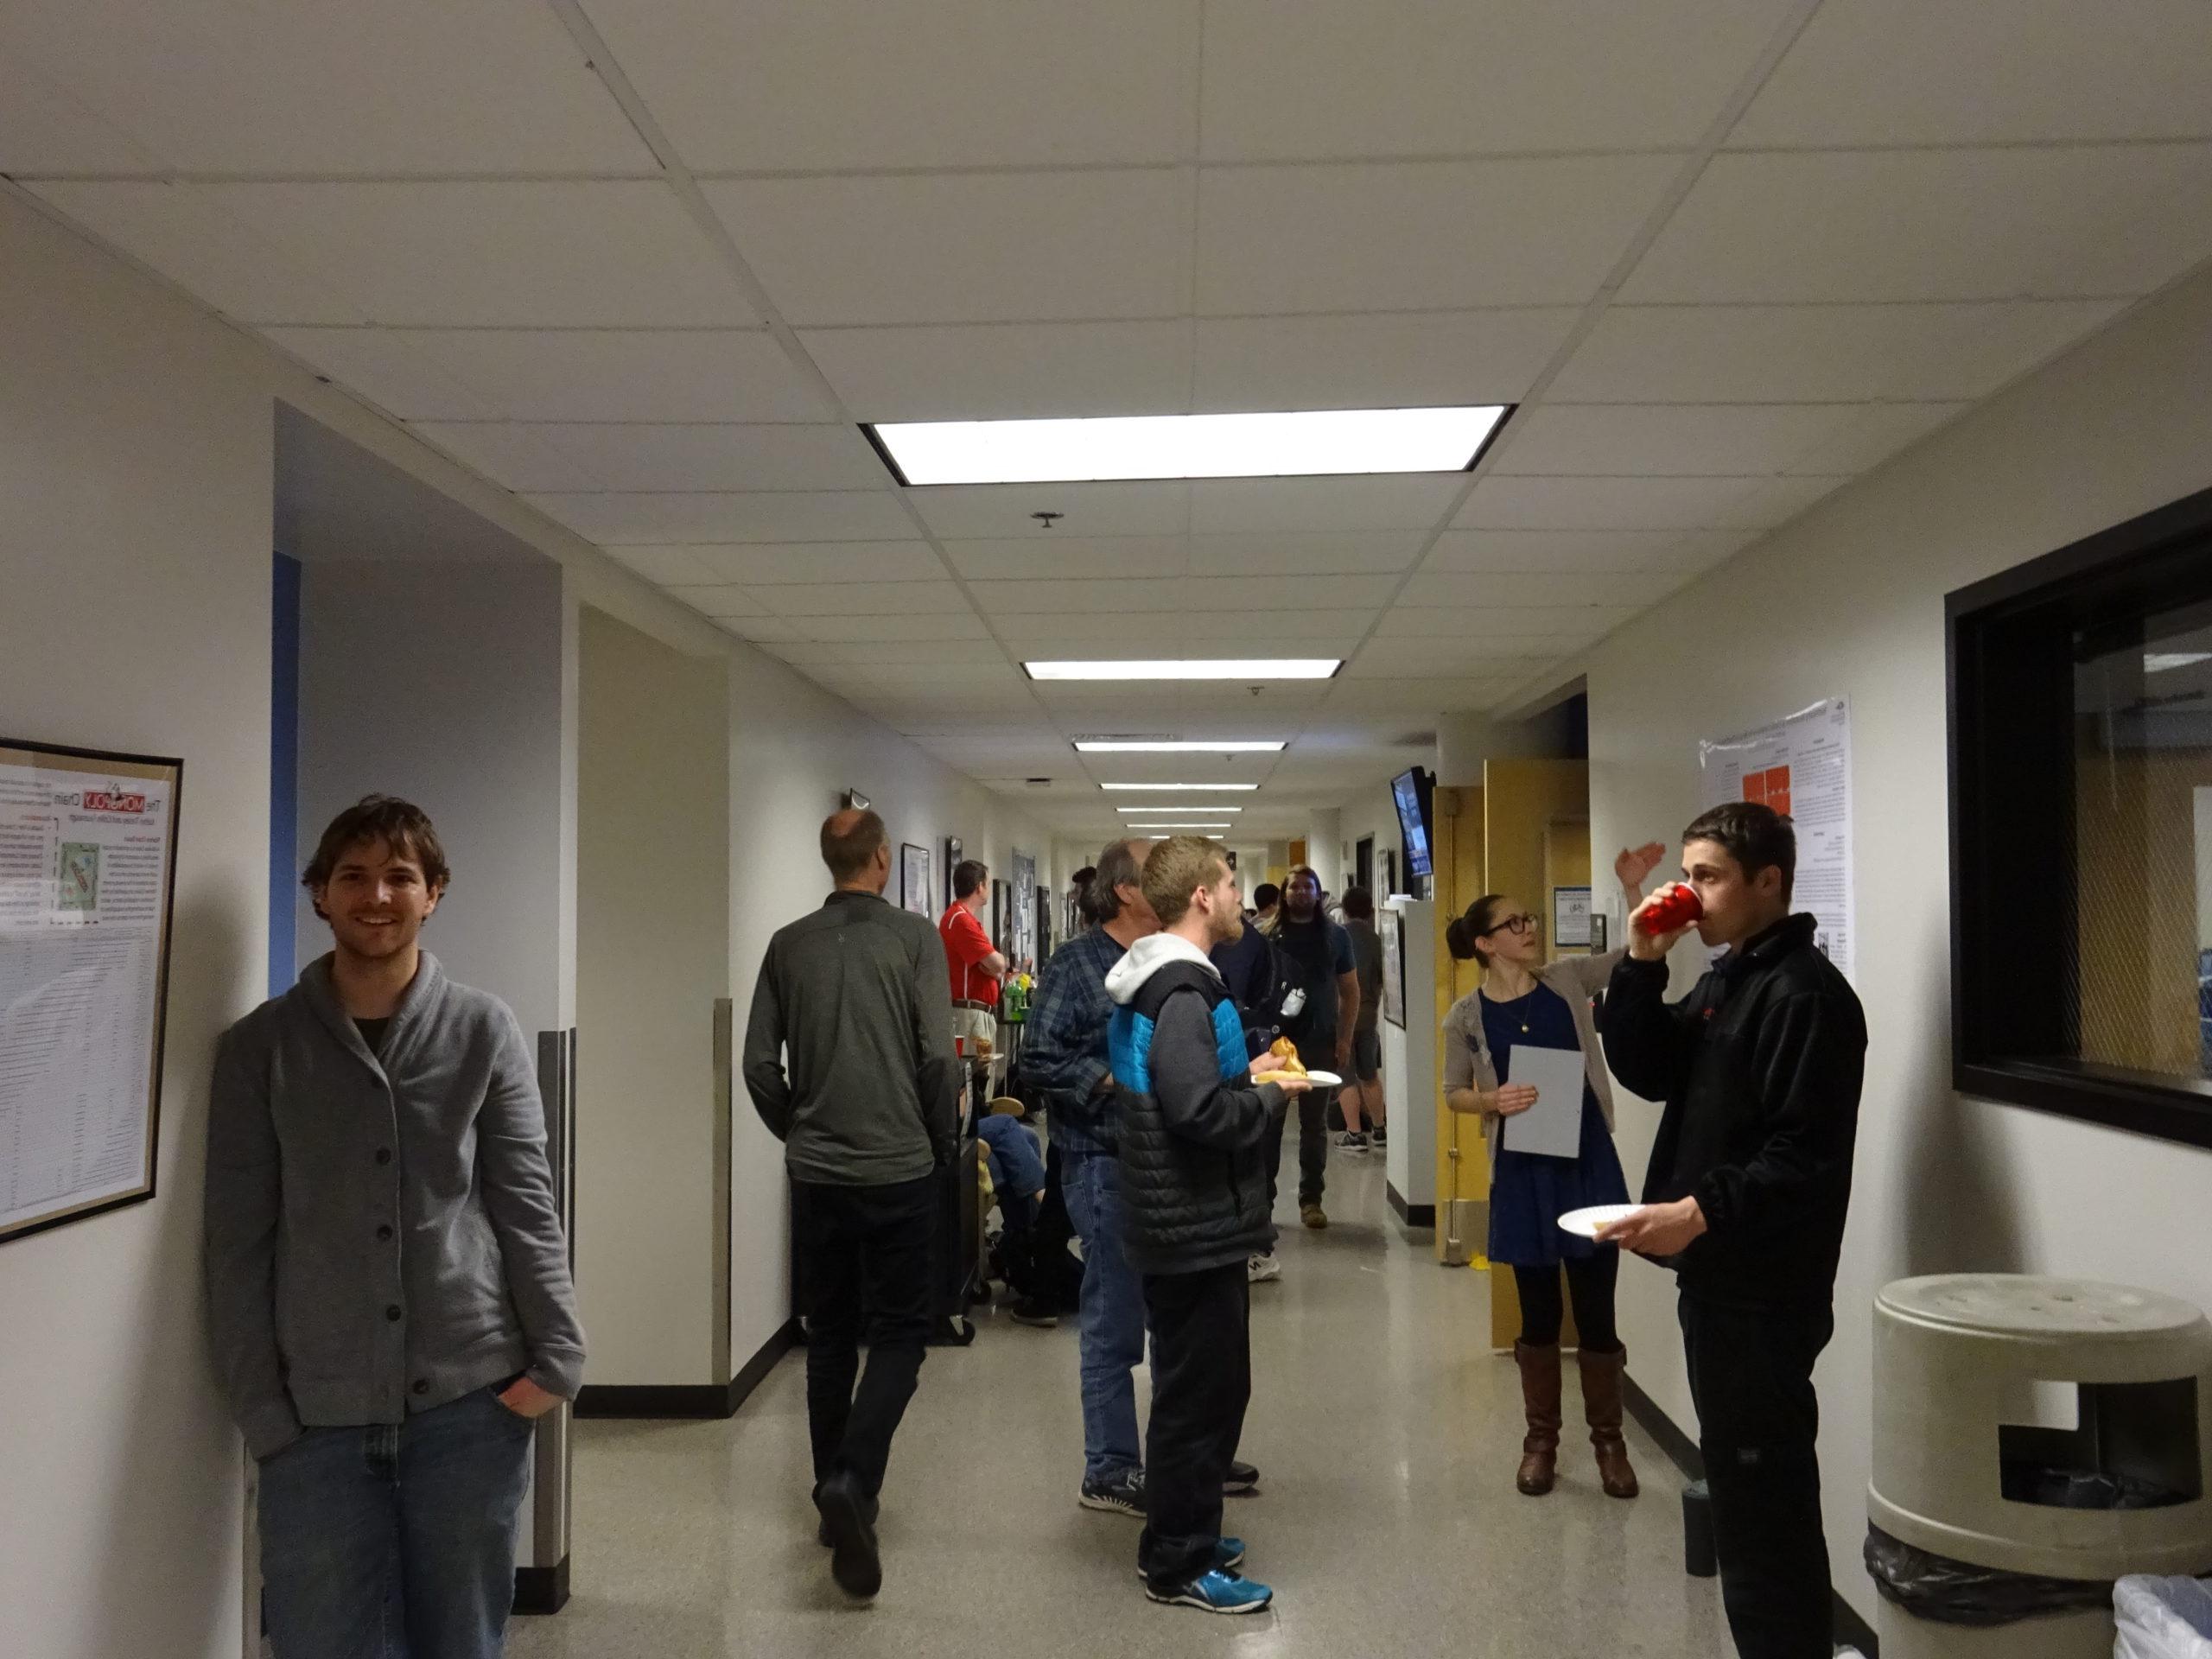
x: 1177, y: 826
x: 1246, y: 670
x: 1299, y: 443
x: 1154, y: 789
x: 1226, y: 746
x: 1187, y: 806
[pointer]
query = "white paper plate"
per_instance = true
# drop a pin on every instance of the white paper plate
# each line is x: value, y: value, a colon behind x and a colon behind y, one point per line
x: 1585, y: 1224
x: 1325, y: 1079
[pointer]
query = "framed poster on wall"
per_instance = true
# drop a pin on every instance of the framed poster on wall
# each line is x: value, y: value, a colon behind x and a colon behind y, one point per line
x: 1571, y: 919
x: 914, y: 890
x: 87, y: 886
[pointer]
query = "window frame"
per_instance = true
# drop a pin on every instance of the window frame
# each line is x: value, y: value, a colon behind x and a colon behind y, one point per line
x: 2004, y: 840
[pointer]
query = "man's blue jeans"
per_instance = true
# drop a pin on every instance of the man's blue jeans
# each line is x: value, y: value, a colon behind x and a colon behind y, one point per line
x: 1111, y: 1317
x: 395, y: 1541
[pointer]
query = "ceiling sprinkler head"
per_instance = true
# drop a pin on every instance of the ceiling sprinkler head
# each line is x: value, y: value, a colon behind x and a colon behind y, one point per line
x: 1048, y: 519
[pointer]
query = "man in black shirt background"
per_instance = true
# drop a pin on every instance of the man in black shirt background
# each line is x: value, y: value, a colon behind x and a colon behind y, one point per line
x: 1760, y: 1068
x: 1319, y: 953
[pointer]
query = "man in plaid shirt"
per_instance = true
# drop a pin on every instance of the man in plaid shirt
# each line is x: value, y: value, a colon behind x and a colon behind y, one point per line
x: 1064, y: 1052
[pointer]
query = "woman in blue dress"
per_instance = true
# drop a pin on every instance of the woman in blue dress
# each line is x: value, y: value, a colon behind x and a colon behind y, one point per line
x: 1524, y: 1002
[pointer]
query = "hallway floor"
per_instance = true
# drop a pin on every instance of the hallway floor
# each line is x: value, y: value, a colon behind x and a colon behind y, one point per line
x: 1385, y: 1431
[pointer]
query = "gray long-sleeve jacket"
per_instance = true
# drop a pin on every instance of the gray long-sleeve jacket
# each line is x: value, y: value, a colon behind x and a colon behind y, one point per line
x: 849, y: 1051
x: 381, y: 1233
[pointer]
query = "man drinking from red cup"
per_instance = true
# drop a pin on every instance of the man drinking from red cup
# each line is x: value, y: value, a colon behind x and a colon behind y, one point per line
x: 1759, y: 1068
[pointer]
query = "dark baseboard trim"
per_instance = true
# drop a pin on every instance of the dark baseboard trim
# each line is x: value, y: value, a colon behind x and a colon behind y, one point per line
x: 1412, y: 1215
x: 542, y: 1590
x: 1682, y: 1452
x: 688, y: 1400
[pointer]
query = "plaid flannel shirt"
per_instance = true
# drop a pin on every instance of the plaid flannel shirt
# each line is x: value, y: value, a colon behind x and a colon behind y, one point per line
x: 1064, y: 1044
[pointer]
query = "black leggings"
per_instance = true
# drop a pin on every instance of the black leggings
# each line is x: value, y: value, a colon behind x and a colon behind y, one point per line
x: 1590, y: 1281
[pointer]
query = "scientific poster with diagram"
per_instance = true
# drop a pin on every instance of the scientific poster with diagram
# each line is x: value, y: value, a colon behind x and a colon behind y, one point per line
x: 1024, y: 908
x: 88, y: 872
x: 1800, y: 766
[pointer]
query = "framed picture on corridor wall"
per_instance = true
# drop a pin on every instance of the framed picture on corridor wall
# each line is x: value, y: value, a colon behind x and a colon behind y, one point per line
x: 914, y: 892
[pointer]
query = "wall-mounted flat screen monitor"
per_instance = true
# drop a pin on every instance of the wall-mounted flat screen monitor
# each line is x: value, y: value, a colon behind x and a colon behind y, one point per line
x: 1411, y: 790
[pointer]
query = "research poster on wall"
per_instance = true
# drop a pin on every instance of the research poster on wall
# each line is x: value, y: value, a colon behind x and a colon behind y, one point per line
x: 1800, y: 766
x: 87, y: 867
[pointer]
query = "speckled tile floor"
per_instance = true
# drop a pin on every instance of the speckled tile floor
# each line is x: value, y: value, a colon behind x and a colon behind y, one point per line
x: 1386, y: 1432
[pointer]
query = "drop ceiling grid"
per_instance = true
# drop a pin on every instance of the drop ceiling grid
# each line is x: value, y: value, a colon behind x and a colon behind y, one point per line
x: 1642, y: 456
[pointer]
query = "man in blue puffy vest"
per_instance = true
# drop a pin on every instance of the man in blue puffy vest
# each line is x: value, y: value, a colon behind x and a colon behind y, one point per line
x: 1194, y: 1186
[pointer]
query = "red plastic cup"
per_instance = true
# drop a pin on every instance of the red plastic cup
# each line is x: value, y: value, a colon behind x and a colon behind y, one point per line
x: 1676, y: 906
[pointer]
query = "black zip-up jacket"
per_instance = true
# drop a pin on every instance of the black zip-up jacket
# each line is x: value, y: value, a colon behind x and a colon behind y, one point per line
x: 1760, y: 1068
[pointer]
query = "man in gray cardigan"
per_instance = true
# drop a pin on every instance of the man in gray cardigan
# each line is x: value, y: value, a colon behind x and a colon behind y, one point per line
x: 849, y: 1059
x: 387, y: 1282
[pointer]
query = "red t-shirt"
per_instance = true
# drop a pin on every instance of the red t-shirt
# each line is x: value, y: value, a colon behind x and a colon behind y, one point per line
x: 966, y: 944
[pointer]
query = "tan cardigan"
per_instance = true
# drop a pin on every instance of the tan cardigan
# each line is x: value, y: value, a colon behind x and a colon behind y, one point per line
x: 1467, y: 1052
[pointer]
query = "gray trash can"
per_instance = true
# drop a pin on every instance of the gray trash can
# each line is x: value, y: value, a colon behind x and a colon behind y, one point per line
x: 2046, y: 1428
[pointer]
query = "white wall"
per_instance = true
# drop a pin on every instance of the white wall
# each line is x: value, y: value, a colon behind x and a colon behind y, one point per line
x: 443, y: 684
x: 654, y: 857
x: 794, y: 750
x: 1849, y: 601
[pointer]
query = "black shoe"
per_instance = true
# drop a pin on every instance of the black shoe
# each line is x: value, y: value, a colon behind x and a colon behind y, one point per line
x: 1242, y: 1480
x: 1032, y: 1310
x: 854, y: 1561
x: 822, y: 1527
x: 1118, y: 1494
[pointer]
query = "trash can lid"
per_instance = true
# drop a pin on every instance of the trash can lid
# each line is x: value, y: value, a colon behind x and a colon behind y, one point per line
x: 2029, y: 1305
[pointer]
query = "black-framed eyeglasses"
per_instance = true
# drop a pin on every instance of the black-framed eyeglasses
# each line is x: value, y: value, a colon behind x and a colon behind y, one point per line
x: 1522, y: 924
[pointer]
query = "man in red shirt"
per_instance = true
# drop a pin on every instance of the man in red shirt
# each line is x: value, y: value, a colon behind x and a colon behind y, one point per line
x: 975, y: 966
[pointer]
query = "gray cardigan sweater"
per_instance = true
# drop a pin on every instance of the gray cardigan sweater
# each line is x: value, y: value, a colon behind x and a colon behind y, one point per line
x: 1466, y: 1051
x: 381, y: 1235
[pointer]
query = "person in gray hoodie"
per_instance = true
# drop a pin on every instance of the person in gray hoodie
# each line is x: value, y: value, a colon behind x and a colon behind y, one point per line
x: 387, y: 1281
x: 1194, y: 1184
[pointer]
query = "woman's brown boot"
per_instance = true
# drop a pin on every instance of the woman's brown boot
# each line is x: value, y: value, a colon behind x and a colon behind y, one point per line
x: 1540, y: 1399
x: 1601, y: 1404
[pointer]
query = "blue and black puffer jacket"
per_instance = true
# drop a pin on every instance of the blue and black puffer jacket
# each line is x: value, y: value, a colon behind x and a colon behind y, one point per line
x: 1194, y: 1181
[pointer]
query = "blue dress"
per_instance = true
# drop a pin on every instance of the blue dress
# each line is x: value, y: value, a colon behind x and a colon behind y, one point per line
x: 1528, y: 1191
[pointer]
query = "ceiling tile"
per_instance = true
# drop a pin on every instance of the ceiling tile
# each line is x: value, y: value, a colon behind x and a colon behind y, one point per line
x: 1683, y: 440
x: 1245, y: 630
x: 1377, y: 361
x: 596, y: 254
x: 1891, y: 71
x: 769, y: 516
x: 940, y: 651
x: 1878, y: 431
x: 1506, y: 551
x: 1517, y: 630
x: 1225, y: 506
x: 1934, y: 225
x: 1821, y: 353
x: 986, y: 371
x: 970, y: 247
x: 635, y: 456
x: 1411, y: 77
x: 590, y: 374
x: 1548, y: 588
x: 44, y: 129
x: 762, y: 629
x: 1611, y: 504
x: 859, y: 84
x: 1778, y: 500
x: 1419, y: 699
x: 1056, y: 558
x: 1295, y: 554
x: 939, y: 598
x: 1406, y: 236
x: 721, y: 601
x: 325, y: 86
x: 855, y: 630
x: 181, y: 232
x: 990, y: 512
x: 670, y: 567
x: 771, y: 564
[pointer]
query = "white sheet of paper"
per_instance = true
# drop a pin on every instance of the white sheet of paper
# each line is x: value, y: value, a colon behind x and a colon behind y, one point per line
x: 1552, y: 1126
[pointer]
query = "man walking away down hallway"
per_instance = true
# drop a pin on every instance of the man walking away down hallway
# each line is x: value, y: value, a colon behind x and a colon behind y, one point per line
x: 849, y: 1059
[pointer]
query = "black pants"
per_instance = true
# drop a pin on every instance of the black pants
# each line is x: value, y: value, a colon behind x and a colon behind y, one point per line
x: 1752, y: 1377
x: 864, y: 1247
x: 1590, y: 1281
x: 1201, y: 1383
x: 1313, y: 1108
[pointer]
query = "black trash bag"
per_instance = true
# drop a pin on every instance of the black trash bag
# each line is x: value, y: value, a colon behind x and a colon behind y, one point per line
x: 2082, y: 1489
x: 1945, y: 1591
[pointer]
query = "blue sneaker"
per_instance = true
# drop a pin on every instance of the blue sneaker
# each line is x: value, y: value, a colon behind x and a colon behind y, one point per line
x: 1228, y: 1556
x: 1216, y: 1592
